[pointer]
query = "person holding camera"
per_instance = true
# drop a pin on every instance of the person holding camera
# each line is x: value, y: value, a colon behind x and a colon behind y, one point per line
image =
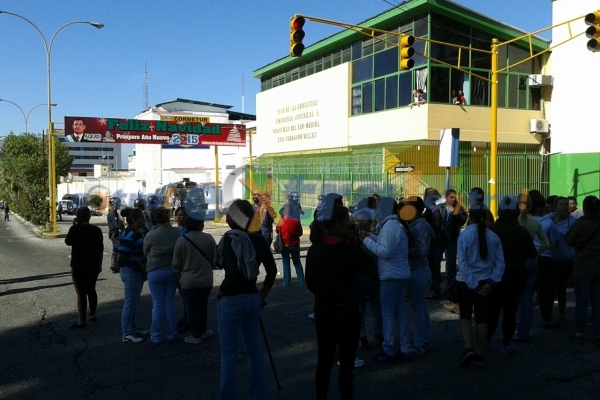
x: 86, y: 264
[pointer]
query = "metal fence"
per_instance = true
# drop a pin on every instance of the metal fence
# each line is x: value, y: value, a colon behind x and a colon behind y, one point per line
x: 359, y: 173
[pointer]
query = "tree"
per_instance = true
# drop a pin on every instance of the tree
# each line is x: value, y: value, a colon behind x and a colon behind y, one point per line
x: 94, y: 200
x: 24, y: 173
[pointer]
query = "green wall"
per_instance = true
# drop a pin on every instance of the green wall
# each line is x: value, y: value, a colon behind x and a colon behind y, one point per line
x: 575, y: 175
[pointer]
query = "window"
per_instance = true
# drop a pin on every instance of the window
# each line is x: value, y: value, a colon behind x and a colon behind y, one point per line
x: 302, y: 70
x: 367, y: 47
x: 367, y: 99
x: 392, y: 38
x: 356, y: 100
x: 347, y: 53
x: 502, y: 90
x: 336, y: 58
x: 380, y: 95
x: 479, y: 91
x: 386, y: 62
x: 379, y: 43
x: 481, y: 41
x: 326, y: 61
x: 449, y: 31
x: 391, y: 92
x: 310, y: 66
x: 405, y: 88
x: 288, y: 76
x: 516, y: 54
x: 421, y: 25
x: 318, y: 64
x: 439, y: 89
x: 356, y: 50
x: 295, y: 74
x: 362, y: 70
x: 419, y: 47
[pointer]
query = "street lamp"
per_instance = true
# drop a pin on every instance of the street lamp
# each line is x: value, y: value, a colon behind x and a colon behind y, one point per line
x: 26, y: 117
x: 51, y: 161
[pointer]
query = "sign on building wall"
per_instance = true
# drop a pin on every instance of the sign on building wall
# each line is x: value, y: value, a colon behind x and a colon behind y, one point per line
x: 170, y: 132
x: 184, y: 118
x: 309, y: 113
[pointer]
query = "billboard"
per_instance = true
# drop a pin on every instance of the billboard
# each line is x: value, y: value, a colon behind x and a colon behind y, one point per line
x: 134, y: 131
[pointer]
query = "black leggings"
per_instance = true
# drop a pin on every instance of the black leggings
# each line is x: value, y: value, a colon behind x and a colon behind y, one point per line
x: 337, y: 326
x: 506, y: 297
x: 85, y: 287
x: 553, y: 277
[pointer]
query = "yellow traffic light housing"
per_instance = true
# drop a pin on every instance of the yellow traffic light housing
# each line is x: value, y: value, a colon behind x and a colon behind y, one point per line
x: 593, y: 32
x: 296, y: 35
x: 406, y: 52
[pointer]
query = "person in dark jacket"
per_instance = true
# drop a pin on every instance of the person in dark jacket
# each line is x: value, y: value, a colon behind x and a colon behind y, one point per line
x: 86, y: 263
x: 331, y: 275
x: 517, y: 245
x: 584, y: 236
x: 239, y: 303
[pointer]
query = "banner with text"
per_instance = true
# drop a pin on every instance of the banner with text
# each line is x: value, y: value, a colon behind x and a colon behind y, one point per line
x: 134, y: 131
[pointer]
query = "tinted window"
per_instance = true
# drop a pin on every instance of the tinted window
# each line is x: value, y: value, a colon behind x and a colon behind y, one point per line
x: 391, y: 92
x: 405, y: 88
x: 439, y: 89
x: 362, y: 70
x: 380, y: 95
x: 367, y: 98
x: 386, y: 62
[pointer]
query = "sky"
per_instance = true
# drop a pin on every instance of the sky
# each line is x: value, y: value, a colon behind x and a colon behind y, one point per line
x: 197, y: 50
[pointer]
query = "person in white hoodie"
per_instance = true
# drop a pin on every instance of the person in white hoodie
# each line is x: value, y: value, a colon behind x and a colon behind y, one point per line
x: 480, y: 268
x: 391, y: 246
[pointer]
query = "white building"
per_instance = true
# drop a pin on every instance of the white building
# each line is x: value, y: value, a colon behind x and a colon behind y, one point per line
x: 87, y: 155
x: 158, y: 165
x: 575, y: 146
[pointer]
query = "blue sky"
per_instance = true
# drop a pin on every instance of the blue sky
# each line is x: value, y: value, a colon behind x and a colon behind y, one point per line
x: 196, y: 50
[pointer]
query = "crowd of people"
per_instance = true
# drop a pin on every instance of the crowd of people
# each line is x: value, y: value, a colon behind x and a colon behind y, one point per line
x: 373, y: 257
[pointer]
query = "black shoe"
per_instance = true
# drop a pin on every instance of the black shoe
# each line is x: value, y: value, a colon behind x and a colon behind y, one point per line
x: 467, y: 356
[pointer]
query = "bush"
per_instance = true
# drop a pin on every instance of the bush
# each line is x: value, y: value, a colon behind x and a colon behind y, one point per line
x: 94, y: 200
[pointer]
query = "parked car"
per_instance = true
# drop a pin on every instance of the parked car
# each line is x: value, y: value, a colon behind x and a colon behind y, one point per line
x: 95, y: 211
x: 68, y: 207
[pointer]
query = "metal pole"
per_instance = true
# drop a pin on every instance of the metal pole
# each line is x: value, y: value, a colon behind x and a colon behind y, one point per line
x: 52, y: 179
x: 217, y: 219
x: 250, y: 165
x: 494, y: 131
x: 262, y: 328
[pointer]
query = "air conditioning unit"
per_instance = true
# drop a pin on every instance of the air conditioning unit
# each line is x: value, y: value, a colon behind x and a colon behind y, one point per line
x: 538, y: 126
x: 539, y: 80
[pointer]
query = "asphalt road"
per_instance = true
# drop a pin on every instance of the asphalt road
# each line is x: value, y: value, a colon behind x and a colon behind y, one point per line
x: 41, y: 359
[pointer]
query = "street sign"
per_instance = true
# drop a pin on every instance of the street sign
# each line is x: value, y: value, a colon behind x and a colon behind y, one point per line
x: 404, y: 168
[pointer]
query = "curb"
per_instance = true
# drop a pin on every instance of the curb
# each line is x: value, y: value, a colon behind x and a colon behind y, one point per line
x: 38, y: 232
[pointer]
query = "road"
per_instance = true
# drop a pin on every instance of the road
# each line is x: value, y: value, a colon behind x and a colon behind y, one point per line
x: 41, y: 358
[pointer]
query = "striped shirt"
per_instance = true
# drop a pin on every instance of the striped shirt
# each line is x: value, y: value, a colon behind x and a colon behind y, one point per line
x: 131, y: 246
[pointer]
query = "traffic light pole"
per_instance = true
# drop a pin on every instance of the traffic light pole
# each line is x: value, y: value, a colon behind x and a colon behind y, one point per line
x: 493, y: 185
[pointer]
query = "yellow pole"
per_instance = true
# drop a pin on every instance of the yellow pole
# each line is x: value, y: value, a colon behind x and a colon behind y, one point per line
x: 52, y: 179
x: 217, y: 219
x: 251, y: 180
x: 494, y: 131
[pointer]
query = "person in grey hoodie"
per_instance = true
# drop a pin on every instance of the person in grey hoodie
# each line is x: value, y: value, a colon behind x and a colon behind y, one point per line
x: 193, y: 260
x: 391, y: 246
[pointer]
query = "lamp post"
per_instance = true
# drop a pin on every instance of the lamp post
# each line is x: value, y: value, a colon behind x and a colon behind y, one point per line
x: 26, y: 117
x: 48, y: 49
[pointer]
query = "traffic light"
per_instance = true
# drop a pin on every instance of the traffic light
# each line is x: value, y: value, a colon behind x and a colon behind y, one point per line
x: 296, y: 35
x: 593, y: 32
x: 406, y: 52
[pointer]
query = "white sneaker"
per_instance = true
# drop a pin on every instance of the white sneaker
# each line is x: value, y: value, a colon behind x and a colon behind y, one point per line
x: 357, y: 363
x: 207, y: 334
x: 311, y: 316
x: 131, y: 339
x: 192, y: 340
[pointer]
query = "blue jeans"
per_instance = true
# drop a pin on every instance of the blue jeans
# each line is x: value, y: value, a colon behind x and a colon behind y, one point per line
x: 417, y: 285
x: 294, y: 252
x: 163, y: 285
x: 132, y: 284
x: 393, y: 312
x: 525, y: 311
x: 587, y: 289
x: 240, y: 315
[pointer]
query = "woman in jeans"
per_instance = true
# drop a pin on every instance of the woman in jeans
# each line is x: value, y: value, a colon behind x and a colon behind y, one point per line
x: 180, y: 218
x: 290, y: 230
x: 86, y: 263
x: 421, y: 234
x: 159, y: 244
x: 192, y: 262
x: 131, y: 263
x: 239, y: 302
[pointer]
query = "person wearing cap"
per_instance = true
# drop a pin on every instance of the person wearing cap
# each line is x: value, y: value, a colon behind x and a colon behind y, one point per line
x: 368, y: 278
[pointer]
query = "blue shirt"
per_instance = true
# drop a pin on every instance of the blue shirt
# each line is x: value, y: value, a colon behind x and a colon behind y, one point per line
x: 472, y: 269
x: 131, y: 246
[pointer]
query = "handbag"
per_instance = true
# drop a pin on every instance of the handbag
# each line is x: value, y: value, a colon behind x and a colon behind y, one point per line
x: 212, y: 263
x: 278, y: 244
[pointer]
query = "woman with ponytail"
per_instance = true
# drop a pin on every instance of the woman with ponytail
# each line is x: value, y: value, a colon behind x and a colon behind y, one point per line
x: 480, y: 267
